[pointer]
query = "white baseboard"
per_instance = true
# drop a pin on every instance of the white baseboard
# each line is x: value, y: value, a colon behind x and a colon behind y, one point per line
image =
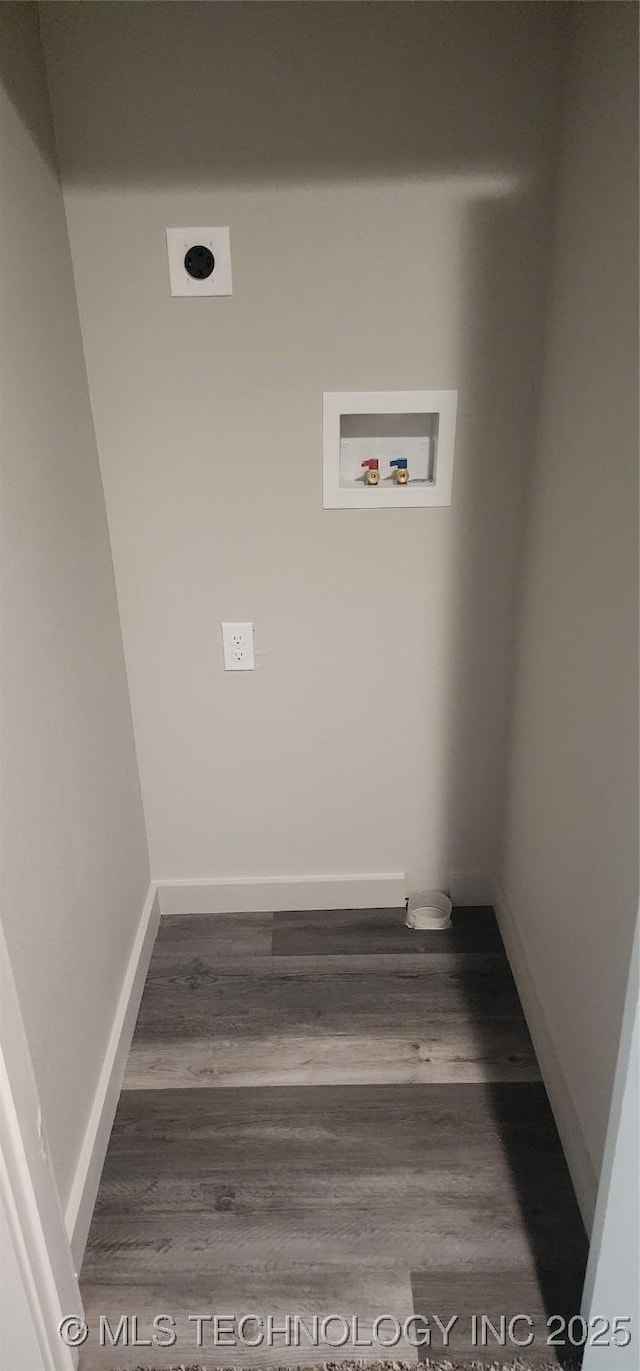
x: 471, y: 887
x: 257, y: 894
x: 583, y: 1173
x: 105, y: 1101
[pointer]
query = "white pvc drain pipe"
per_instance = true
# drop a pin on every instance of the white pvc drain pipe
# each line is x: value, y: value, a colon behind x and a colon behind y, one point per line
x: 429, y: 909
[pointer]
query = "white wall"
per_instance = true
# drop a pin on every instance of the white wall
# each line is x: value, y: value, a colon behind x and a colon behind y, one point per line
x: 571, y: 848
x: 74, y: 860
x: 19, y: 1345
x: 385, y: 171
x: 612, y: 1285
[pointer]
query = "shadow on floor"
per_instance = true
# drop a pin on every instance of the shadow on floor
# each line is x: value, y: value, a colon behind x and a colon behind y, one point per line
x: 541, y: 1179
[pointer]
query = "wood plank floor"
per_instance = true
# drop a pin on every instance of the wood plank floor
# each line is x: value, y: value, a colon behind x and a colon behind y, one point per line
x: 330, y: 1114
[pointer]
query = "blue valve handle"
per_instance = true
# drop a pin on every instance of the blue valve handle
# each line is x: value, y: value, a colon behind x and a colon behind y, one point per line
x: 400, y: 463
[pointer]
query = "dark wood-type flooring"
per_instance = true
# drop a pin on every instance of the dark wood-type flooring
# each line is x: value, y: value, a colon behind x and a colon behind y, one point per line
x: 330, y: 1114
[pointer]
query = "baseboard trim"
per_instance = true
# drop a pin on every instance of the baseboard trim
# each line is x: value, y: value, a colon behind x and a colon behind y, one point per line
x: 263, y: 894
x: 471, y: 887
x: 581, y: 1168
x: 84, y: 1189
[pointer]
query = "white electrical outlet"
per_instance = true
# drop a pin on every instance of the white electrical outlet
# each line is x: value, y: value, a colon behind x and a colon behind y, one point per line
x: 237, y: 647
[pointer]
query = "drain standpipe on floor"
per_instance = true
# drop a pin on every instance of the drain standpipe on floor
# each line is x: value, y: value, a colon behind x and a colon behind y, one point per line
x: 429, y: 909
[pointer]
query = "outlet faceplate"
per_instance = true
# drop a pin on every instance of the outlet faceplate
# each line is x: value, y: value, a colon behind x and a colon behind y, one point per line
x: 199, y: 261
x: 237, y: 647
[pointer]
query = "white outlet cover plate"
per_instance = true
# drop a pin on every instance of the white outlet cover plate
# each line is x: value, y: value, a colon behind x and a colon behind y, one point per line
x: 237, y: 647
x: 218, y: 240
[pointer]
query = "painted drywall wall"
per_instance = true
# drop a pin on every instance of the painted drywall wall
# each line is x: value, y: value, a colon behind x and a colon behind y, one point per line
x: 385, y: 171
x: 571, y: 843
x: 612, y: 1285
x: 74, y: 860
x: 19, y: 1344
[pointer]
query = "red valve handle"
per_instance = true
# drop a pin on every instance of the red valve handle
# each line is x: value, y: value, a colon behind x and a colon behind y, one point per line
x: 372, y: 463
